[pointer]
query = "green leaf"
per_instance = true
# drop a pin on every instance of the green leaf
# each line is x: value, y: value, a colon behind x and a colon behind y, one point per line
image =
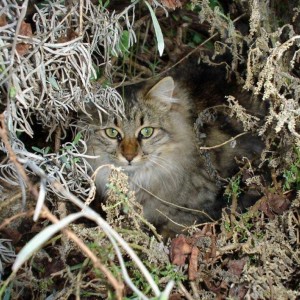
x: 53, y: 83
x: 214, y: 3
x: 38, y: 150
x: 124, y: 42
x: 12, y: 92
x: 158, y: 32
x: 77, y: 138
x: 41, y: 151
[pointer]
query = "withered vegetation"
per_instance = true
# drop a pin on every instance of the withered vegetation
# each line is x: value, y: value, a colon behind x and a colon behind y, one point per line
x: 55, y: 58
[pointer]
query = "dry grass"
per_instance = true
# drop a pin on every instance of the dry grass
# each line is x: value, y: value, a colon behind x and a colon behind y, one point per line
x: 74, y: 55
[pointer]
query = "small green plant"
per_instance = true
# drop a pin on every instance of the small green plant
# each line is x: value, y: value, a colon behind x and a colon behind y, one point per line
x: 42, y: 151
x: 292, y: 175
x: 104, y: 4
x: 168, y: 271
x: 233, y: 189
x: 69, y: 147
x: 172, y: 272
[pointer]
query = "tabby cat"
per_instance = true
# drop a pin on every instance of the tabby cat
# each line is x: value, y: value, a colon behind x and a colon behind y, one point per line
x: 156, y: 147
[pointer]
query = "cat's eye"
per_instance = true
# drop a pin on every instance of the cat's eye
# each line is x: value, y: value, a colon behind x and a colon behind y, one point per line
x: 146, y: 132
x: 112, y: 133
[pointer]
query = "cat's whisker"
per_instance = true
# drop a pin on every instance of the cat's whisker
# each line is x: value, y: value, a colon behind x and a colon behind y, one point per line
x: 164, y: 160
x: 169, y: 172
x: 166, y: 168
x: 174, y: 170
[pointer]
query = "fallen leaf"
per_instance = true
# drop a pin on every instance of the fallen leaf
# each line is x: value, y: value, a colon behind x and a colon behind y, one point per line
x: 25, y: 30
x: 278, y: 203
x: 274, y: 203
x: 265, y: 208
x: 3, y: 20
x: 12, y: 234
x: 179, y: 250
x: 22, y: 48
x: 172, y: 4
x: 71, y: 35
x: 236, y: 267
x: 193, y: 264
x: 175, y: 297
x: 238, y: 291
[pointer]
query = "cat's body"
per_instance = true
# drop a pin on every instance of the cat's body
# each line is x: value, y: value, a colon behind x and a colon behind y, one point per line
x: 156, y: 147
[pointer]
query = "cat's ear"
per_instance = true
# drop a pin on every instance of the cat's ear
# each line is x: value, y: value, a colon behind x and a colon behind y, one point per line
x: 163, y: 91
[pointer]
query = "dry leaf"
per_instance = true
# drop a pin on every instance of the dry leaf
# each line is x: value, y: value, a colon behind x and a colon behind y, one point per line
x: 179, y: 250
x: 265, y: 208
x: 3, y: 20
x: 172, y: 4
x: 193, y: 264
x: 236, y: 267
x: 274, y: 203
x: 175, y: 297
x: 25, y: 30
x: 238, y: 292
x: 278, y: 203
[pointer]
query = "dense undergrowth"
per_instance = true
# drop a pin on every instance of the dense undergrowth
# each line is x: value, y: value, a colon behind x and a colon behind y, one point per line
x: 55, y: 59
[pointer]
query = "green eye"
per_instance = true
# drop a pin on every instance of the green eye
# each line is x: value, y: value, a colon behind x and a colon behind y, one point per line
x: 112, y: 133
x: 146, y: 132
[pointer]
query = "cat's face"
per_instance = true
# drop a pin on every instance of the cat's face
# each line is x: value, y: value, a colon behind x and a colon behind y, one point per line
x: 137, y: 140
x: 154, y: 134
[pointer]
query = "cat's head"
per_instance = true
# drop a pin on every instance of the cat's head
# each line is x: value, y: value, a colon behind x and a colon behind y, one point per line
x: 155, y: 131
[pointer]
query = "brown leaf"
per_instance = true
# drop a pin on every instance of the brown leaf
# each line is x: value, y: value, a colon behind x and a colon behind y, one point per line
x: 175, y: 297
x: 25, y: 30
x: 265, y: 207
x: 179, y: 250
x: 3, y: 20
x: 274, y: 203
x: 236, y: 267
x: 22, y: 48
x: 193, y: 264
x: 71, y: 35
x: 172, y: 4
x: 278, y: 203
x: 12, y: 234
x: 238, y: 291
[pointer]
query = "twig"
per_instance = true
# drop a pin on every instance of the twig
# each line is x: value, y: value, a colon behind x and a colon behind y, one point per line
x: 195, y: 290
x: 231, y: 247
x: 185, y: 291
x: 13, y: 158
x: 226, y: 142
x: 80, y: 17
x: 14, y: 45
x: 118, y: 286
x: 234, y: 205
x: 57, y: 142
x: 178, y: 224
x: 175, y: 205
x: 197, y: 48
x: 17, y: 216
x: 10, y: 201
x: 139, y: 67
x: 112, y: 235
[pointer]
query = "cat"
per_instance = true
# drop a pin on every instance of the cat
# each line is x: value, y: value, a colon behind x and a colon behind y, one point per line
x: 156, y: 146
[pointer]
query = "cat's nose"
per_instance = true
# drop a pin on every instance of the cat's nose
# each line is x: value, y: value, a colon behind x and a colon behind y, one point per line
x: 129, y: 149
x: 129, y: 156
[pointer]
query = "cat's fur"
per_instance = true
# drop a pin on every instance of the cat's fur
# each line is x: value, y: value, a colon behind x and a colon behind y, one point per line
x: 165, y: 170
